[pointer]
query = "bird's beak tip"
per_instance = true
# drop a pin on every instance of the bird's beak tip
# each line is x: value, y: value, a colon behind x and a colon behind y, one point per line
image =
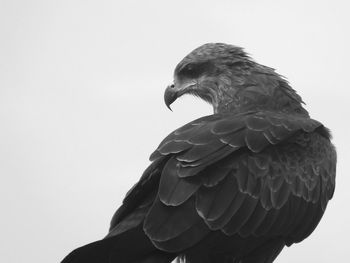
x: 170, y: 96
x: 168, y: 106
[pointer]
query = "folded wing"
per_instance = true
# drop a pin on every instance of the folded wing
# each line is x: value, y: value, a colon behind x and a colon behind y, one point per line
x: 257, y: 173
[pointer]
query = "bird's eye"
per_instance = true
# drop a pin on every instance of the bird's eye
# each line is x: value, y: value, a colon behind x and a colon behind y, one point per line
x: 193, y: 70
x: 189, y: 67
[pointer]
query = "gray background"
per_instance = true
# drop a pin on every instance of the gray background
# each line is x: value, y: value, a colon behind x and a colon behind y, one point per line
x: 81, y: 105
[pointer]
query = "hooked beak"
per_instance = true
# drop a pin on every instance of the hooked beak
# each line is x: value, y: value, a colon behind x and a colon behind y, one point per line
x: 174, y: 91
x: 170, y: 95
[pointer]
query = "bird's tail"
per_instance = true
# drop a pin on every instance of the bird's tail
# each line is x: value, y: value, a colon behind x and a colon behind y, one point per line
x: 98, y: 251
x: 130, y: 247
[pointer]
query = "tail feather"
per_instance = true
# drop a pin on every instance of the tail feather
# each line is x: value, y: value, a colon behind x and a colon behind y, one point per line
x: 96, y: 252
x: 132, y: 246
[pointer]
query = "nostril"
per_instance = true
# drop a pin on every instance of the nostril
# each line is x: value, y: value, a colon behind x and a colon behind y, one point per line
x: 172, y: 86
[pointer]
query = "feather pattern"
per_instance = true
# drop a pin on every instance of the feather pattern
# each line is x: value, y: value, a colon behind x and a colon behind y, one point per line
x: 250, y: 174
x: 244, y: 174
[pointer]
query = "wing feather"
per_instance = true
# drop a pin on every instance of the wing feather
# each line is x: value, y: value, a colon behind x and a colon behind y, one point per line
x: 200, y: 151
x: 174, y: 190
x: 224, y: 218
x: 241, y: 216
x: 186, y: 239
x: 255, y: 140
x: 164, y: 222
x: 267, y: 223
x: 215, y: 173
x: 254, y: 221
x: 249, y: 174
x: 212, y: 202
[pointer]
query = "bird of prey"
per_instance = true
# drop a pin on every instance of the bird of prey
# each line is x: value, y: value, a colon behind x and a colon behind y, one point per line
x: 236, y: 186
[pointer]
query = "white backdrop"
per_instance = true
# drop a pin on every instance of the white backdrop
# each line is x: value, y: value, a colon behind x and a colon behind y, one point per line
x: 81, y: 105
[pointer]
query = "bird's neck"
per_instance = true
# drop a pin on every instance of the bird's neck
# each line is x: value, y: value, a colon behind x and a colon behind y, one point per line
x: 261, y: 91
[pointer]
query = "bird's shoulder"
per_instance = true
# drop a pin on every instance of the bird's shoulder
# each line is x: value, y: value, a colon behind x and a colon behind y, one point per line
x: 254, y: 130
x: 253, y: 144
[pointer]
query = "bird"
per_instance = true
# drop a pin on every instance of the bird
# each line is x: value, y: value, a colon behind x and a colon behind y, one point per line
x: 236, y: 186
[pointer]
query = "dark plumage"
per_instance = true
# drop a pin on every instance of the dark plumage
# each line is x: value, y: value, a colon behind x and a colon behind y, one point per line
x: 235, y: 186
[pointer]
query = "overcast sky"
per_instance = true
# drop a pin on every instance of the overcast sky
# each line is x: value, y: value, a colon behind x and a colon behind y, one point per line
x: 81, y: 105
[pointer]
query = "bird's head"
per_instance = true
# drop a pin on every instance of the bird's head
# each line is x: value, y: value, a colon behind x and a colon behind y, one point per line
x: 226, y: 77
